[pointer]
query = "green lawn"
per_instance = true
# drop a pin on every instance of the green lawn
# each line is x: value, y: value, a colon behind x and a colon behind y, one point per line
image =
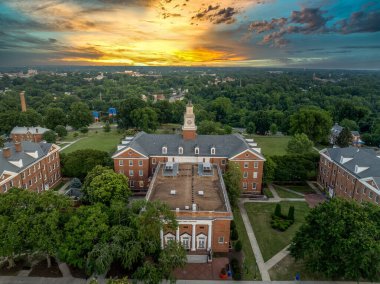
x: 286, y: 194
x: 305, y: 189
x: 270, y: 240
x: 250, y: 269
x: 104, y: 141
x: 287, y: 269
x: 272, y: 145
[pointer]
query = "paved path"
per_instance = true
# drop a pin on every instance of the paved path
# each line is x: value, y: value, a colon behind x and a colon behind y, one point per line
x: 62, y: 190
x: 70, y: 143
x: 277, y: 258
x: 64, y: 269
x: 255, y: 246
x: 316, y: 189
x: 291, y: 191
x: 274, y: 192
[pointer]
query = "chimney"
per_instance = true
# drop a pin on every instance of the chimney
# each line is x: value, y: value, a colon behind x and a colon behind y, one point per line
x: 36, y: 130
x: 6, y: 152
x: 18, y: 146
x: 23, y: 103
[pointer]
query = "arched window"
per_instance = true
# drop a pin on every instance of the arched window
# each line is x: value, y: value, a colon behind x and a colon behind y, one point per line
x: 180, y: 150
x: 164, y: 150
x: 197, y: 150
x: 213, y: 151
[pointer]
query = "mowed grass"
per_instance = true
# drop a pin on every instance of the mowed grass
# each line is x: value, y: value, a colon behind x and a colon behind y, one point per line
x: 100, y: 140
x: 285, y: 194
x: 272, y: 145
x: 305, y: 189
x: 250, y: 269
x: 272, y: 241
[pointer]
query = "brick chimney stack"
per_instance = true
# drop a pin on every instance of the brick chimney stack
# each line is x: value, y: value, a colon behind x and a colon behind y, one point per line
x: 6, y: 152
x: 23, y: 103
x: 18, y: 146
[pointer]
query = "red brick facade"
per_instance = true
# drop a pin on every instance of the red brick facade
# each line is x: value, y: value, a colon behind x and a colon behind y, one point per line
x: 27, y: 137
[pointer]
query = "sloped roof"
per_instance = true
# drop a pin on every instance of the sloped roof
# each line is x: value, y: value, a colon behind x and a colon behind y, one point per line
x: 32, y: 129
x: 225, y: 145
x: 41, y: 148
x: 359, y: 157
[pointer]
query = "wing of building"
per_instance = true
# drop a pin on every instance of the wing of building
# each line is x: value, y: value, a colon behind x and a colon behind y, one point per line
x: 352, y: 173
x: 31, y: 134
x: 29, y: 165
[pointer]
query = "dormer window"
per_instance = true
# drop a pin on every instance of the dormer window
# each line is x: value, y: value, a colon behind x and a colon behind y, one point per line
x: 180, y: 150
x: 213, y: 151
x: 164, y: 150
x: 196, y: 150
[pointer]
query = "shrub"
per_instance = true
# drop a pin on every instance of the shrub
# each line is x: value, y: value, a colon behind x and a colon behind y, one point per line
x: 291, y: 213
x: 277, y: 211
x: 238, y: 246
x: 234, y: 235
x: 75, y: 134
x: 107, y: 127
x: 280, y: 224
x: 83, y: 130
x: 61, y: 130
x: 233, y: 225
x: 236, y: 269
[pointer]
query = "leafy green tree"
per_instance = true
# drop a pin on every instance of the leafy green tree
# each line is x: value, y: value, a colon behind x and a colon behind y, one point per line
x: 344, y: 138
x: 350, y: 124
x: 145, y: 119
x: 291, y: 213
x: 79, y: 115
x: 277, y: 210
x: 30, y: 118
x: 232, y: 179
x: 171, y: 257
x: 207, y: 127
x: 222, y: 107
x: 314, y: 122
x: 61, y: 131
x: 269, y: 170
x: 54, y: 117
x: 2, y: 142
x: 126, y: 108
x: 273, y: 128
x: 80, y: 162
x: 340, y: 238
x: 107, y: 186
x: 251, y: 128
x: 300, y: 144
x: 87, y: 226
x: 50, y: 136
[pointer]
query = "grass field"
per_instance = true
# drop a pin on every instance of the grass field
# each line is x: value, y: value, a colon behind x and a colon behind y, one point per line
x: 285, y: 194
x: 100, y: 140
x: 250, y: 269
x: 305, y: 189
x: 272, y: 241
x: 272, y: 145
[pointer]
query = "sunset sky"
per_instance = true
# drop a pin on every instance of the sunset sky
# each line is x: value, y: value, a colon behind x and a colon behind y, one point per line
x: 257, y: 33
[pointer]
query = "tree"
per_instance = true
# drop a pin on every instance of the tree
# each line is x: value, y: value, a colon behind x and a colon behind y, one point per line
x: 222, y: 106
x: 80, y: 162
x: 269, y: 170
x: 49, y: 136
x: 232, y: 179
x: 251, y: 128
x: 171, y: 257
x: 145, y: 119
x: 54, y: 117
x: 340, y: 238
x: 291, y: 213
x: 277, y: 210
x: 300, y: 144
x: 87, y: 226
x: 273, y: 129
x: 107, y: 186
x: 350, y: 124
x: 107, y: 127
x: 79, y: 115
x: 61, y: 131
x: 314, y: 122
x: 207, y: 127
x: 344, y: 138
x: 2, y: 142
x: 125, y: 111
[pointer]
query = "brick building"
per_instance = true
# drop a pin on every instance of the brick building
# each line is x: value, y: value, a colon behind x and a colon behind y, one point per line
x: 351, y: 173
x: 31, y: 134
x: 28, y: 165
x: 138, y: 157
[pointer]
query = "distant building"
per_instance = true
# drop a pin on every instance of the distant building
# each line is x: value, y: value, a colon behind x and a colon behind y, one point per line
x: 337, y: 129
x: 28, y: 165
x: 31, y: 134
x: 351, y: 173
x: 138, y: 157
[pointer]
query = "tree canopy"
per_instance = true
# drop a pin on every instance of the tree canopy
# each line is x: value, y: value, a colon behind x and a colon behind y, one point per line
x: 300, y: 144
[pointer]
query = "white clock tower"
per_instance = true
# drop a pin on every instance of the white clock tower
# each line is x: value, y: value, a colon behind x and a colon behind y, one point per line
x: 189, y: 129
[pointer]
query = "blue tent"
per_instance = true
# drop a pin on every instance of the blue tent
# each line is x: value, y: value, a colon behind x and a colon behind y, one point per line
x: 112, y: 111
x: 95, y: 114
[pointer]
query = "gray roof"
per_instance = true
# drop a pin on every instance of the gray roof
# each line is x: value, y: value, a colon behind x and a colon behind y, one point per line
x: 27, y: 147
x: 337, y: 129
x: 225, y: 145
x: 32, y: 129
x: 360, y: 157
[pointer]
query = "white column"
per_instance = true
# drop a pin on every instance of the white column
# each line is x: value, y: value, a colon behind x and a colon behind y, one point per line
x: 177, y: 234
x: 193, y: 239
x: 162, y: 238
x: 209, y: 236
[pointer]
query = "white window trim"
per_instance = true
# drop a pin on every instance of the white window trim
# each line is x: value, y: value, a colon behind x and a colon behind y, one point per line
x: 164, y: 150
x: 196, y: 151
x: 213, y: 151
x: 180, y: 150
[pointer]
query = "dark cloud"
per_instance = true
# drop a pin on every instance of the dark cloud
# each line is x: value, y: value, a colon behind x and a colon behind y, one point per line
x: 217, y: 15
x: 360, y: 22
x: 264, y: 26
x: 310, y: 19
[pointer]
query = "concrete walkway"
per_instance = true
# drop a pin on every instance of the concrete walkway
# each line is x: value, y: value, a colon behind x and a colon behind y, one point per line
x: 274, y: 192
x: 62, y: 190
x: 65, y: 270
x: 316, y: 189
x: 277, y: 258
x: 255, y: 246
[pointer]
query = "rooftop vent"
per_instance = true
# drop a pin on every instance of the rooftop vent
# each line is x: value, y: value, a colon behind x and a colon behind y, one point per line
x: 173, y: 192
x: 194, y: 207
x: 187, y: 207
x: 201, y: 192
